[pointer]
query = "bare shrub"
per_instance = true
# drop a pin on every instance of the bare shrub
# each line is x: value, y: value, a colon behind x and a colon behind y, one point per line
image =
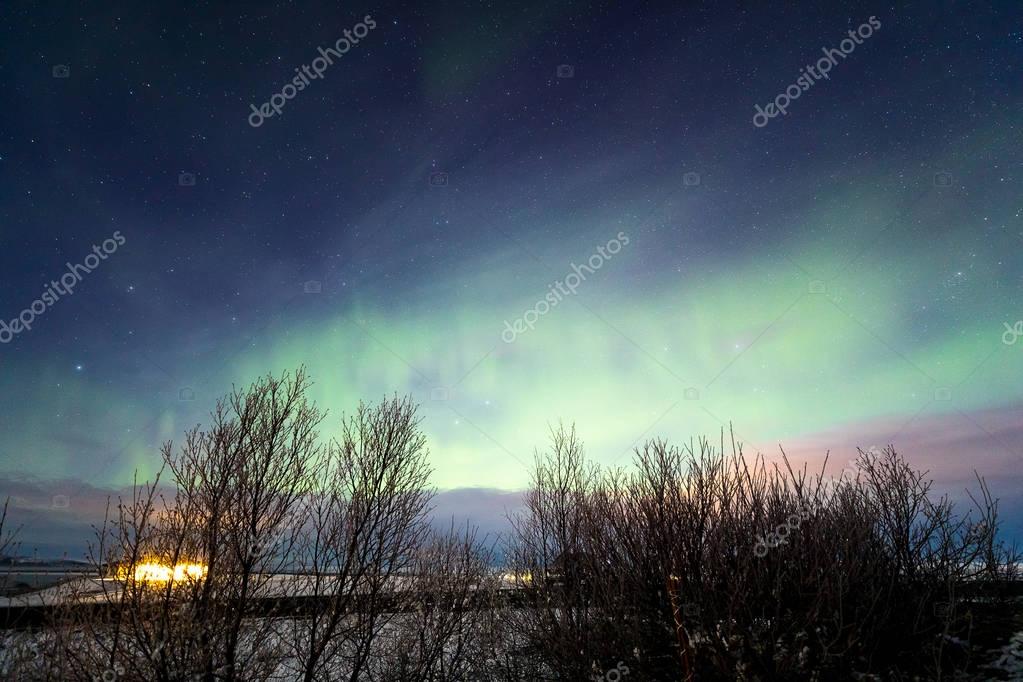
x: 288, y: 556
x: 661, y: 566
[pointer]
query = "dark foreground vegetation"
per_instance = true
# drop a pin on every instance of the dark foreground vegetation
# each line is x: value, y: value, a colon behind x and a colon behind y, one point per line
x: 694, y: 563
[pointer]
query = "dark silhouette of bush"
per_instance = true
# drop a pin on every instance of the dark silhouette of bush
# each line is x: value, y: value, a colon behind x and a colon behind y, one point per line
x: 314, y: 559
x: 318, y: 561
x: 665, y: 566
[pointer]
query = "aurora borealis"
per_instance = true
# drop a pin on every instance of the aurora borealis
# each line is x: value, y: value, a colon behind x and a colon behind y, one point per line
x: 839, y: 278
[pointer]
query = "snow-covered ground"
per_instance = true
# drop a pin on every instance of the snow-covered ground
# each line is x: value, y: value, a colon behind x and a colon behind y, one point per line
x: 1009, y: 659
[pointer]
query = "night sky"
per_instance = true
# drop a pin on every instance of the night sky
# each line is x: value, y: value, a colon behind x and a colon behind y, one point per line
x: 847, y: 274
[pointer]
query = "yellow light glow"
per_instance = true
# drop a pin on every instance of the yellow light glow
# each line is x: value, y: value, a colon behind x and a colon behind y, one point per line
x: 517, y: 578
x: 161, y: 573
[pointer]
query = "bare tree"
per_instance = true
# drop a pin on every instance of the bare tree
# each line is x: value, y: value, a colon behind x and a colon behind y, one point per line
x: 366, y: 522
x: 549, y: 560
x: 273, y: 554
x: 8, y: 536
x: 439, y: 635
x: 186, y: 580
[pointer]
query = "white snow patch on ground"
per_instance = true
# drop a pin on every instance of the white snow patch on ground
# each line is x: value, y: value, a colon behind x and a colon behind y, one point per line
x: 1010, y: 657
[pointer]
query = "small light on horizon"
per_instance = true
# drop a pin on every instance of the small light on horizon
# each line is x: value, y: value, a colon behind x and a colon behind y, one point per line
x: 155, y: 572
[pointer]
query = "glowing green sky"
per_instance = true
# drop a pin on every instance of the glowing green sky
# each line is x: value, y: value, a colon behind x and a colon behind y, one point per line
x: 719, y: 290
x: 840, y: 277
x: 748, y: 331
